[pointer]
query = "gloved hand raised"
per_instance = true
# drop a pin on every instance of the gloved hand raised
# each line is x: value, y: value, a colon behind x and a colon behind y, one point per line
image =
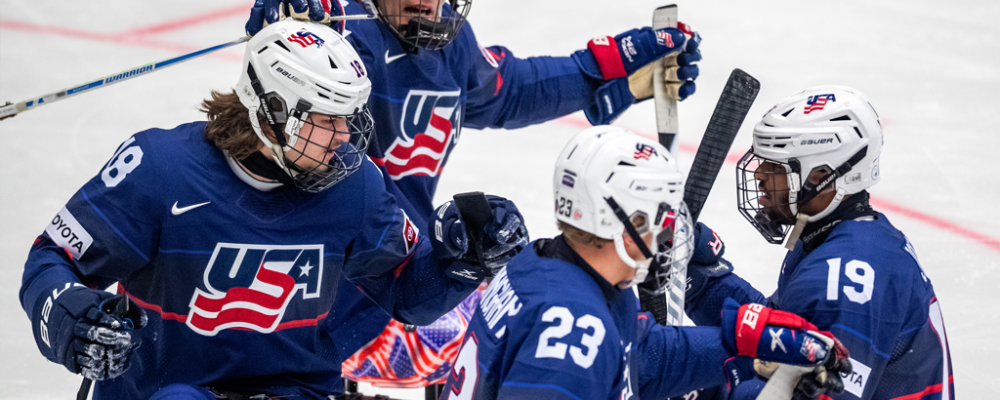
x: 90, y: 332
x: 266, y: 12
x: 626, y: 62
x: 774, y: 338
x: 502, y: 238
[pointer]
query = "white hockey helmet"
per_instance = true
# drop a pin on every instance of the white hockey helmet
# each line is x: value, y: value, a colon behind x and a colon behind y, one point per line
x: 292, y: 69
x: 826, y: 127
x: 607, y: 178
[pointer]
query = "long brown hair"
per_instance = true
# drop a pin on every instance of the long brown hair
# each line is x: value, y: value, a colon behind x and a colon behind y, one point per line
x: 229, y: 126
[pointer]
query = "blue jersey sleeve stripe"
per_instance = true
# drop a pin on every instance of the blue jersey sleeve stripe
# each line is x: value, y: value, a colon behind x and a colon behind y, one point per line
x: 384, y: 232
x: 543, y: 386
x: 113, y: 227
x: 860, y: 336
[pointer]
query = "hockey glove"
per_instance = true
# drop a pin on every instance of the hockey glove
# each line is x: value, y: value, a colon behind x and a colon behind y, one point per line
x: 790, y: 340
x: 626, y: 62
x: 706, y: 262
x: 90, y: 332
x: 266, y: 12
x: 502, y: 238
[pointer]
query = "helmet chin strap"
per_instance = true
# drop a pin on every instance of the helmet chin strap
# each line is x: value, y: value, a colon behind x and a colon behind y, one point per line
x: 641, y: 267
x: 810, y: 190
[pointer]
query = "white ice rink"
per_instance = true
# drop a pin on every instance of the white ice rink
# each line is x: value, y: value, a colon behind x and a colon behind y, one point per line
x: 930, y: 68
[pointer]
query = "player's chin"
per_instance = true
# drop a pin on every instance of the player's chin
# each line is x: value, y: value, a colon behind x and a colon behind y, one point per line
x: 779, y: 214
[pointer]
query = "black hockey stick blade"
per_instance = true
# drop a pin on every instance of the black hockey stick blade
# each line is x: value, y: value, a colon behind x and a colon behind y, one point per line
x: 476, y: 214
x: 734, y: 104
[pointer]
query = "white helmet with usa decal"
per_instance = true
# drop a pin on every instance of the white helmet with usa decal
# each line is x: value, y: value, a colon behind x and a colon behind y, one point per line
x: 832, y: 129
x: 294, y: 69
x: 610, y: 181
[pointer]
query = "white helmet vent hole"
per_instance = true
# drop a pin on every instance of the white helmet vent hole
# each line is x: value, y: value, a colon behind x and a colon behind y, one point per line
x: 282, y: 45
x: 859, y: 132
x: 322, y: 95
x: 332, y: 64
x: 262, y: 50
x: 842, y: 118
x: 324, y: 88
x: 625, y: 164
x: 785, y: 114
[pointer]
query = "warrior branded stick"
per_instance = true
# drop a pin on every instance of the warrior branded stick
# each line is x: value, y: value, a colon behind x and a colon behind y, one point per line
x: 666, y: 127
x: 9, y: 110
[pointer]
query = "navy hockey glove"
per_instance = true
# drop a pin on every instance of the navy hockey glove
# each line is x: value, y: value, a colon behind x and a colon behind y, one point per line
x: 266, y: 12
x: 774, y: 338
x: 90, y: 332
x: 706, y: 261
x: 626, y: 63
x: 502, y: 238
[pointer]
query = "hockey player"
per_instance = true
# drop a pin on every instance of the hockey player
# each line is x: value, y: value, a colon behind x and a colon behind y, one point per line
x: 430, y: 77
x: 560, y: 321
x: 228, y: 239
x: 851, y: 272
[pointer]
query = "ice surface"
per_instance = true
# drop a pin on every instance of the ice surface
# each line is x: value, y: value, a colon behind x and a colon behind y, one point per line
x: 931, y: 69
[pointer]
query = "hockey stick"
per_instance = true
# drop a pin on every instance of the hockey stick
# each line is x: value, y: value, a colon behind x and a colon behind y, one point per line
x: 9, y: 110
x: 734, y: 104
x: 476, y: 214
x: 666, y: 127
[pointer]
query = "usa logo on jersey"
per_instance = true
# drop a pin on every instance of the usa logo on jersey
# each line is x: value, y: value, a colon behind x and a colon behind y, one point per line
x: 250, y: 286
x: 817, y: 102
x: 430, y: 125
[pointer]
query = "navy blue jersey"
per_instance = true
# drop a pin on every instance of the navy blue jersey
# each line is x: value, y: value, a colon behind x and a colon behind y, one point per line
x: 548, y: 329
x: 234, y: 279
x: 421, y: 100
x: 864, y: 284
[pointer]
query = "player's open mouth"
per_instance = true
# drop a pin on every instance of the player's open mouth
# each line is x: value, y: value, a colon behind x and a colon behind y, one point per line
x: 418, y: 11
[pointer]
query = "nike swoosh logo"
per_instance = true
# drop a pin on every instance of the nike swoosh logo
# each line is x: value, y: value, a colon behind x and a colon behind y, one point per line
x: 178, y: 211
x: 393, y: 58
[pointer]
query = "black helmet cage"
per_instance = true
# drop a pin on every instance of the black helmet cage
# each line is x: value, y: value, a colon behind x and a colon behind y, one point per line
x: 346, y: 158
x: 747, y: 199
x: 425, y: 33
x: 748, y: 192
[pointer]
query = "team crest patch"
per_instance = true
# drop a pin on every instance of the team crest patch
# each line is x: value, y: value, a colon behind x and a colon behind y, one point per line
x: 410, y: 233
x: 250, y: 286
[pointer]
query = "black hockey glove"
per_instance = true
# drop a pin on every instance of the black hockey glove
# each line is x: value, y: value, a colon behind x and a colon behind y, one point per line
x: 502, y: 238
x: 90, y: 332
x: 706, y: 262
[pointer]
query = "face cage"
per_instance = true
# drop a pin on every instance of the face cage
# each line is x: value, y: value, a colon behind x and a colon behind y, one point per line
x: 346, y: 158
x: 425, y: 33
x: 748, y: 193
x: 675, y: 245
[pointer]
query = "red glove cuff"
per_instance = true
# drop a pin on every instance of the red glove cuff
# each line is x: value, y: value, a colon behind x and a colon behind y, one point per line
x: 752, y: 320
x: 605, y: 51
